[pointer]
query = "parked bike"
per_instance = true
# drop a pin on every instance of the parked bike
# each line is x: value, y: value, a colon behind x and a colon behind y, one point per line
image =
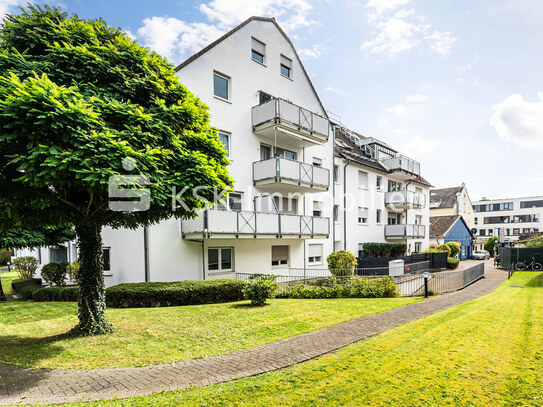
x: 521, y: 265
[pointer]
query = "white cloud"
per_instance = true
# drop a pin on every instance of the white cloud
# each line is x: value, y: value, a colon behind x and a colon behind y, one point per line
x: 309, y: 53
x: 9, y: 6
x: 332, y: 90
x: 130, y: 34
x: 416, y: 98
x: 417, y: 145
x: 399, y: 29
x: 519, y: 121
x: 399, y: 110
x: 441, y: 42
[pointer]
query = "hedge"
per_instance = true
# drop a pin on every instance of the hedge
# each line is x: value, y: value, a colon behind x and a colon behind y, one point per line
x: 58, y: 293
x: 26, y: 287
x: 134, y: 295
x: 452, y: 262
x: 384, y: 249
x: 355, y: 287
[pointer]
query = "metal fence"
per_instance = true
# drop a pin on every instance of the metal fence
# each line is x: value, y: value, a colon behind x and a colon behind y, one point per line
x: 512, y: 255
x: 437, y: 260
x: 409, y: 284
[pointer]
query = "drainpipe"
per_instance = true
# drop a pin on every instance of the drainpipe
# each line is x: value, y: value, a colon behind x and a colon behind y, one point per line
x: 333, y: 189
x: 345, y: 204
x: 203, y: 262
x: 146, y: 253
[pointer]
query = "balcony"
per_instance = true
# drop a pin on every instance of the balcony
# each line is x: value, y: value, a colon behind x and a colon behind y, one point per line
x: 253, y: 225
x: 290, y: 124
x: 405, y: 231
x: 290, y: 175
x: 405, y: 200
x: 402, y: 164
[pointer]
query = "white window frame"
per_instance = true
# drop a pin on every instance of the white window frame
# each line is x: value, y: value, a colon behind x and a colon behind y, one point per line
x: 107, y: 272
x: 314, y: 258
x: 228, y: 86
x: 362, y: 220
x: 229, y: 137
x: 282, y: 263
x: 219, y: 260
x: 360, y: 174
x: 287, y: 66
x: 258, y: 51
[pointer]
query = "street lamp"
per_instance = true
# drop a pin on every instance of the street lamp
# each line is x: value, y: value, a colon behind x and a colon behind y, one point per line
x: 9, y: 269
x: 425, y: 275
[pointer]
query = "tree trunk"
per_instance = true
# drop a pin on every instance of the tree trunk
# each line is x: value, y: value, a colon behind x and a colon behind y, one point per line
x: 92, y: 293
x: 2, y: 295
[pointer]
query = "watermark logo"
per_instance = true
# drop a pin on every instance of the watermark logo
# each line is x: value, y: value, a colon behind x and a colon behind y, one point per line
x: 126, y: 192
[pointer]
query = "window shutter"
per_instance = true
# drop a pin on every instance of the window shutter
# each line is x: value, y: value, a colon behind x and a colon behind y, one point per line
x: 285, y: 61
x: 279, y: 253
x: 259, y: 46
x: 314, y: 250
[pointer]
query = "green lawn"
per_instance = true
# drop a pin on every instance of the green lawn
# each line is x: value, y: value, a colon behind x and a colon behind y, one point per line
x: 31, y: 333
x: 6, y: 280
x: 488, y: 352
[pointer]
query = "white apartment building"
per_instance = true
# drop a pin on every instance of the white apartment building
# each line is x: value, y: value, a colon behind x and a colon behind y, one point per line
x: 291, y: 167
x: 515, y: 216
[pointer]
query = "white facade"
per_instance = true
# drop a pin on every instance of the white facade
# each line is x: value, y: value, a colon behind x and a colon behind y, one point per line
x: 515, y: 215
x: 285, y: 147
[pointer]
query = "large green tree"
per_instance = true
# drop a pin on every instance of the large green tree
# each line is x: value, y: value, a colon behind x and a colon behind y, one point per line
x: 77, y: 99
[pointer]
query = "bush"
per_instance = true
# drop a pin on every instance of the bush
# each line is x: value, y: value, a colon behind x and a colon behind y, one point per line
x: 260, y: 288
x: 455, y: 248
x: 55, y: 273
x: 442, y: 248
x: 73, y: 271
x: 452, y: 262
x: 56, y: 294
x: 384, y: 249
x: 134, y: 295
x: 341, y: 263
x: 490, y: 244
x: 354, y: 287
x: 25, y: 266
x: 5, y: 256
x: 26, y: 287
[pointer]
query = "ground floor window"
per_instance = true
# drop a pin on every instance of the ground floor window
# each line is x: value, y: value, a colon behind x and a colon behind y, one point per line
x: 315, y: 253
x: 107, y: 258
x: 58, y: 255
x: 280, y: 255
x: 220, y: 258
x: 360, y: 249
x: 417, y: 247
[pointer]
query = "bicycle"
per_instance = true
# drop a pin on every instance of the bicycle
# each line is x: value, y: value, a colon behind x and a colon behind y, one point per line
x: 521, y: 265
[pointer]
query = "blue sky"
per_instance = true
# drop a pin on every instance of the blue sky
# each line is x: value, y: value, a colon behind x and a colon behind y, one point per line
x: 455, y: 84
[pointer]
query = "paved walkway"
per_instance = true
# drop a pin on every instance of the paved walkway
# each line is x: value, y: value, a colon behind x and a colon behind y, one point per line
x: 24, y: 385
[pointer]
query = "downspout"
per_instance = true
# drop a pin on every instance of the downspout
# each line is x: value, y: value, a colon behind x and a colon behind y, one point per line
x: 146, y: 253
x: 345, y: 204
x: 304, y: 242
x: 333, y: 190
x: 203, y: 261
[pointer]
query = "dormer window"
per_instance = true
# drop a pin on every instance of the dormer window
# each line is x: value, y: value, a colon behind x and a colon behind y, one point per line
x: 258, y: 51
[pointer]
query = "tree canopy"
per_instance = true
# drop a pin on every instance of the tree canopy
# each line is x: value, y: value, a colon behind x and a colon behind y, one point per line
x: 77, y: 98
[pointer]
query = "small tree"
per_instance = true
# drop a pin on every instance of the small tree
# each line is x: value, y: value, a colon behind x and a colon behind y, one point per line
x: 82, y: 104
x: 259, y: 288
x: 455, y: 248
x: 25, y: 266
x: 441, y: 248
x: 490, y: 244
x: 341, y: 263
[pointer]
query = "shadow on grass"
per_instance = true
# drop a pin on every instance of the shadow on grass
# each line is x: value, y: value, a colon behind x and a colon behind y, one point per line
x: 246, y: 305
x: 28, y: 351
x: 537, y: 281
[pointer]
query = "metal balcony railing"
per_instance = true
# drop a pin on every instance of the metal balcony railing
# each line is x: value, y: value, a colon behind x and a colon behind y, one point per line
x: 405, y: 199
x: 402, y: 163
x: 281, y: 111
x: 405, y: 231
x: 214, y: 223
x: 290, y: 171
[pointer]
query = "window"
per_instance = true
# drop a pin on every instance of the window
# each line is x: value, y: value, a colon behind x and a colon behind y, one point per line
x: 317, y: 209
x: 317, y: 162
x: 107, y: 259
x: 417, y: 247
x: 336, y: 173
x: 263, y: 97
x: 482, y: 232
x: 265, y: 152
x: 258, y: 51
x: 418, y: 191
x: 234, y: 201
x: 220, y: 259
x: 363, y: 215
x: 286, y: 66
x: 225, y: 140
x: 289, y: 155
x: 526, y: 230
x: 476, y: 221
x: 362, y: 179
x: 360, y: 249
x: 315, y: 253
x: 221, y: 85
x: 394, y: 186
x: 530, y: 204
x: 507, y: 232
x: 516, y: 232
x: 378, y: 216
x: 287, y: 206
x: 336, y: 213
x: 394, y: 218
x: 378, y: 183
x: 58, y: 255
x: 280, y: 255
x: 418, y: 219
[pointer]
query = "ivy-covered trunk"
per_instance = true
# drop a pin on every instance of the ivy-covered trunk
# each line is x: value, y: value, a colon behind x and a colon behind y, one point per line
x: 2, y: 295
x: 92, y: 293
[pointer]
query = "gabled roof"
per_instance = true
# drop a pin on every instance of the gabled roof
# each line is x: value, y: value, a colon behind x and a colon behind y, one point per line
x: 237, y: 28
x: 444, y: 197
x: 441, y: 225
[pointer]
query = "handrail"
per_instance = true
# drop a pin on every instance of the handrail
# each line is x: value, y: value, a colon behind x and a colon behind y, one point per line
x: 303, y: 173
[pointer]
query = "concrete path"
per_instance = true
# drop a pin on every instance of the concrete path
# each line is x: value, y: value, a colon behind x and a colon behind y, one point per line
x: 38, y: 386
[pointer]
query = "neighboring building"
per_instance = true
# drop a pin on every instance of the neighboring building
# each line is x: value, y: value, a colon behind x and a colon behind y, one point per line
x: 288, y: 162
x: 515, y: 216
x: 452, y: 228
x: 452, y: 201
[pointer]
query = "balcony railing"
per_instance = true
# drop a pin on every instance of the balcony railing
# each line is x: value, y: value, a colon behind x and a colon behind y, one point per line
x: 250, y: 224
x: 402, y: 163
x: 294, y: 118
x: 405, y: 231
x: 405, y: 199
x: 284, y: 171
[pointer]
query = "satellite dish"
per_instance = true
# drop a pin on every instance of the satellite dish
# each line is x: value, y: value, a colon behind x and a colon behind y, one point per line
x: 474, y: 231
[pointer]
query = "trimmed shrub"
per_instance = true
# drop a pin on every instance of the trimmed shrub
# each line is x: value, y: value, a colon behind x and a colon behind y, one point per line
x: 260, y: 288
x: 440, y: 249
x: 384, y: 249
x: 26, y: 287
x: 73, y: 271
x: 25, y: 266
x: 452, y: 262
x: 455, y: 248
x: 55, y: 273
x: 354, y: 287
x: 341, y: 263
x: 136, y: 295
x: 56, y: 294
